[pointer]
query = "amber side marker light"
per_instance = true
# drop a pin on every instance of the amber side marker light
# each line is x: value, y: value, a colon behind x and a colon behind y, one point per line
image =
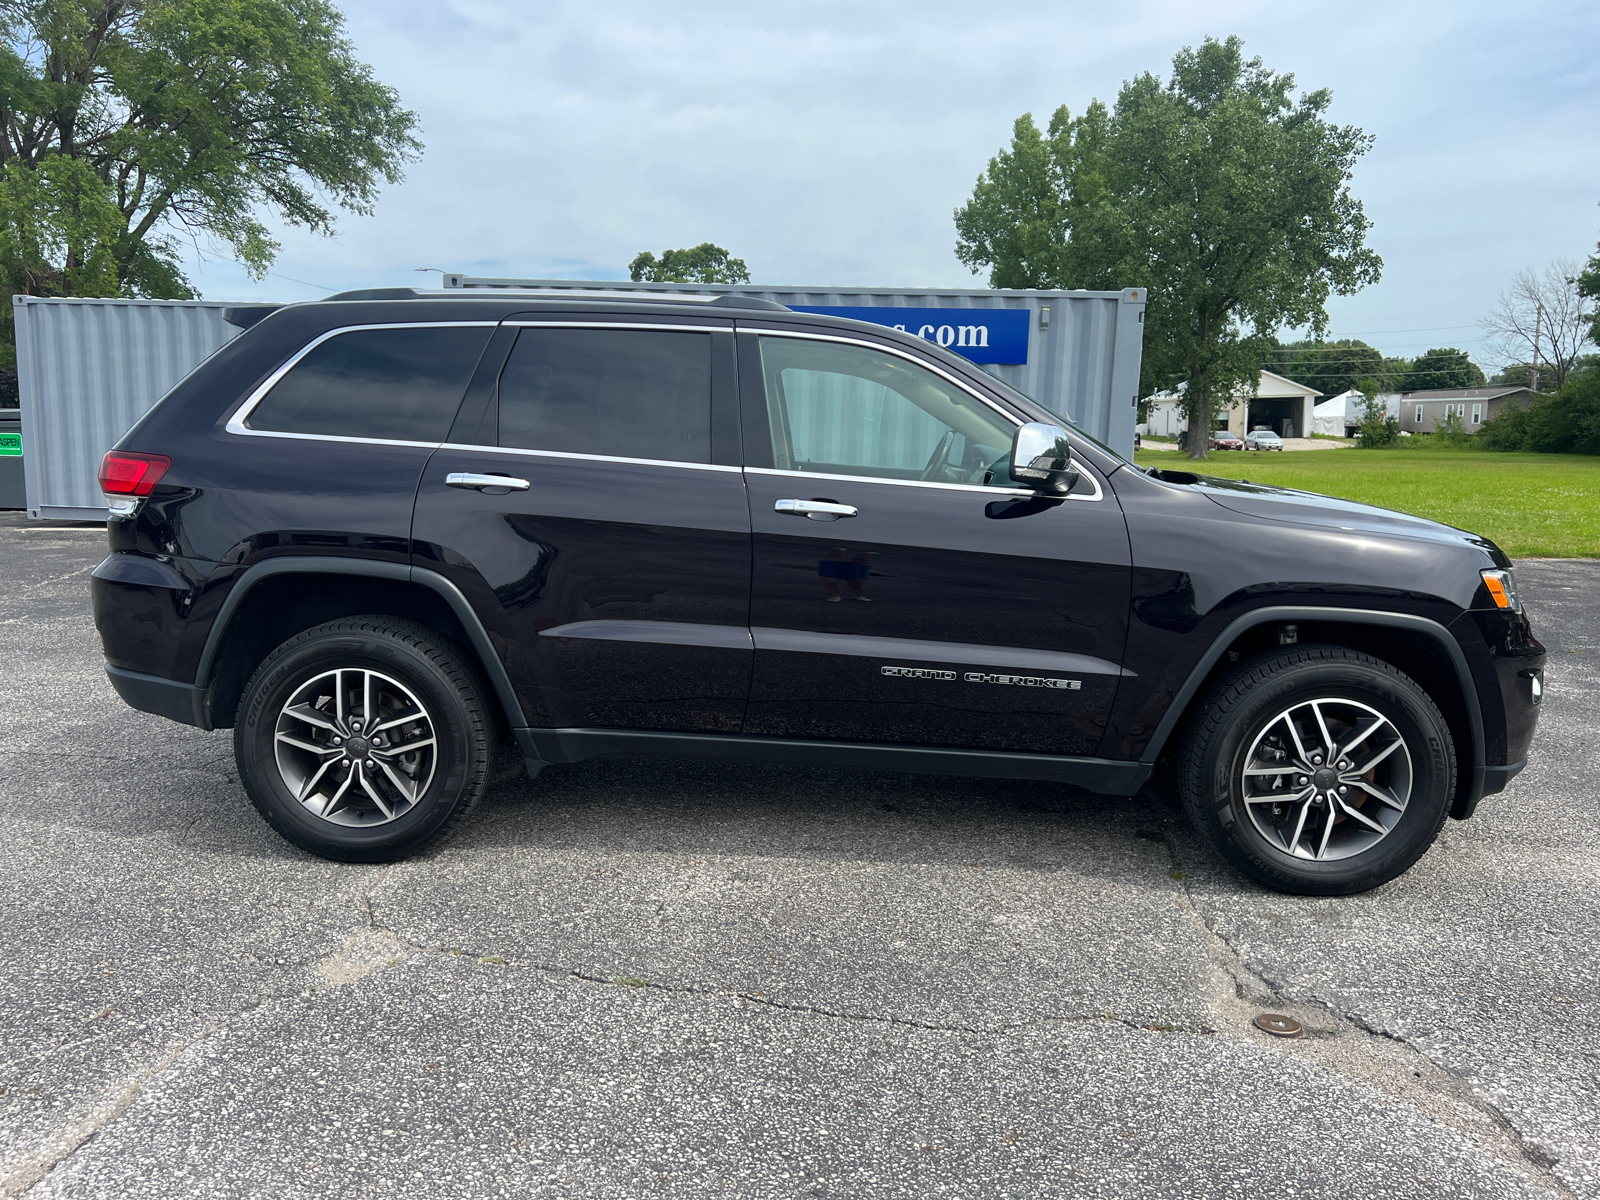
x: 1501, y: 588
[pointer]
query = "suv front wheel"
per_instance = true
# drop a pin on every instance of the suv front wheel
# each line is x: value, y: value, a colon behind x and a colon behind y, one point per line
x: 1318, y: 770
x: 366, y: 739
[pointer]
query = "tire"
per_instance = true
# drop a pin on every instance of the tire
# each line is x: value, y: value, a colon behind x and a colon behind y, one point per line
x: 1250, y: 721
x: 331, y: 782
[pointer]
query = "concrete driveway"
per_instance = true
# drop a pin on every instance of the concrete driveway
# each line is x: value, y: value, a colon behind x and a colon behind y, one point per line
x: 633, y: 978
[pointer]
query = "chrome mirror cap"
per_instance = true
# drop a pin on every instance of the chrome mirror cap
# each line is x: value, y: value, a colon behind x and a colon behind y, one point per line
x: 1042, y: 458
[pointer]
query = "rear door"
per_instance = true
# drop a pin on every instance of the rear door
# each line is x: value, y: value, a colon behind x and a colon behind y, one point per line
x: 920, y: 604
x: 612, y: 570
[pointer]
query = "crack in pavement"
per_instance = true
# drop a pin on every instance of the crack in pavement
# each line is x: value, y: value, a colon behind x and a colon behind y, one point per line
x: 1431, y: 1088
x: 339, y: 960
x: 35, y: 1167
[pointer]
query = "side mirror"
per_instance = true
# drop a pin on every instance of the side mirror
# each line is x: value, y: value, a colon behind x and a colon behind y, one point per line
x: 1042, y: 458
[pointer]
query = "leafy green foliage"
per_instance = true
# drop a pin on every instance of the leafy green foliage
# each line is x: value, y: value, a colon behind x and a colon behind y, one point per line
x: 1378, y: 430
x: 1452, y: 431
x: 1333, y: 368
x: 1442, y: 368
x: 1515, y: 375
x: 126, y: 125
x: 705, y: 263
x: 1589, y: 289
x: 1565, y: 422
x: 1217, y: 190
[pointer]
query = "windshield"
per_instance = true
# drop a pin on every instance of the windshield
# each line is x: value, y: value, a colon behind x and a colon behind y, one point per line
x: 1038, y: 412
x: 1030, y: 407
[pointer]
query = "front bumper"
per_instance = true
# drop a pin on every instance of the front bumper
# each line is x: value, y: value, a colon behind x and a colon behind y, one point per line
x: 1510, y: 694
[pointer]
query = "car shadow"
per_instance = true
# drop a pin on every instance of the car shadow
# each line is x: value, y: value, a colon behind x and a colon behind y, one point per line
x: 622, y: 805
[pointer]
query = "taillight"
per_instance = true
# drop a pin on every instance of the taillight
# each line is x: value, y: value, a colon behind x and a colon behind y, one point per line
x: 126, y: 473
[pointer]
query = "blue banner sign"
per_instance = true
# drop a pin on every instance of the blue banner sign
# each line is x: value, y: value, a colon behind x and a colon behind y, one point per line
x: 985, y: 335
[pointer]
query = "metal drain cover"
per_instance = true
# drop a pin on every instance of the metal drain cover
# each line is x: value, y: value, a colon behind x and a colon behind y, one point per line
x: 1278, y: 1025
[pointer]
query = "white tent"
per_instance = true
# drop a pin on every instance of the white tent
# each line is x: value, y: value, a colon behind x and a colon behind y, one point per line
x: 1339, y: 416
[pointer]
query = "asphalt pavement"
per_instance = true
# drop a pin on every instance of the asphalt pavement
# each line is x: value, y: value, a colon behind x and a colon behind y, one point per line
x: 633, y: 978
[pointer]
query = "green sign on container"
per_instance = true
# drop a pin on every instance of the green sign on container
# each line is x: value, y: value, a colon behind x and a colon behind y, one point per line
x: 10, y: 445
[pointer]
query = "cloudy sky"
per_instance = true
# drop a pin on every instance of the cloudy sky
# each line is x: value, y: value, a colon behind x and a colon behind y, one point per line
x: 828, y: 143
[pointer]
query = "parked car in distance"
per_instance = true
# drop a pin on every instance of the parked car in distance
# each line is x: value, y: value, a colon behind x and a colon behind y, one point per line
x: 1223, y: 439
x: 398, y: 540
x: 1262, y: 439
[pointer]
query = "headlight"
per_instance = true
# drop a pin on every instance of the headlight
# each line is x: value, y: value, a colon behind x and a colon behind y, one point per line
x: 1502, y: 589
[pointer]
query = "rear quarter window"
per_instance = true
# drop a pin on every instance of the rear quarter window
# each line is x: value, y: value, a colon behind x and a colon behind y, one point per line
x: 399, y: 384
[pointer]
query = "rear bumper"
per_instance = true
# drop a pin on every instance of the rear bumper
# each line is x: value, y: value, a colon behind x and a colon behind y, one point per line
x: 165, y: 697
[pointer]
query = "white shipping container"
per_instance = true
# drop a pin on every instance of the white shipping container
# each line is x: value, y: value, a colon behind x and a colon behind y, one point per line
x: 87, y: 369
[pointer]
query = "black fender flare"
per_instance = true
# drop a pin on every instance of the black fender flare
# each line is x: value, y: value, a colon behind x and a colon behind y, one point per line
x: 493, y: 668
x: 1276, y: 614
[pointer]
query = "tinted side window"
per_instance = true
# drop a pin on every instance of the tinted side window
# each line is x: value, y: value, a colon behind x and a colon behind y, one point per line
x: 631, y: 393
x: 400, y: 384
x: 853, y: 411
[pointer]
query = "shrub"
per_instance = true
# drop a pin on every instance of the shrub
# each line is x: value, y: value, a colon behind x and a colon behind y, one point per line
x: 1565, y: 422
x: 1377, y: 429
x: 1452, y: 431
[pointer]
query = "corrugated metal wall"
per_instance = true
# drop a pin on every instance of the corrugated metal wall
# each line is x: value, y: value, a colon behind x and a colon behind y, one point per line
x: 87, y: 370
x: 1083, y: 357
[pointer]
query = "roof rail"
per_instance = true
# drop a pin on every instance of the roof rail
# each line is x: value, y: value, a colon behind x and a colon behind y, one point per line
x: 398, y: 293
x: 730, y: 300
x: 726, y: 300
x: 246, y: 315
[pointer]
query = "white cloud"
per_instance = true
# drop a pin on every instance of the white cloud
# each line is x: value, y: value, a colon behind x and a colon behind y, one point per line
x: 829, y: 142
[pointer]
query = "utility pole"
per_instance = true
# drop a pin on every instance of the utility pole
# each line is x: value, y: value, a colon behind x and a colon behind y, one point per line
x: 1538, y: 319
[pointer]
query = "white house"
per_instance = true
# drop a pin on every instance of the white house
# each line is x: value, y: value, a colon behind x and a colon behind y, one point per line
x: 1340, y: 416
x: 1280, y: 404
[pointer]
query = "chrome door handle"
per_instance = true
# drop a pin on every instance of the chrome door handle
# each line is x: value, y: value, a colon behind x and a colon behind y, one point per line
x: 470, y: 479
x: 816, y: 510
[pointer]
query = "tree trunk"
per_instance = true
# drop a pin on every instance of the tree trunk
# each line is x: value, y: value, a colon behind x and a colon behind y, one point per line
x: 1198, y: 396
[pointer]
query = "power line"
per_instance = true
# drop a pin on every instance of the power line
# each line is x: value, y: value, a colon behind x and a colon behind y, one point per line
x: 1417, y: 329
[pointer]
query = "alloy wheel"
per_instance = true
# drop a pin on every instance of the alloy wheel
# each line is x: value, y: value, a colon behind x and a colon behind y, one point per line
x: 1326, y: 779
x: 355, y: 747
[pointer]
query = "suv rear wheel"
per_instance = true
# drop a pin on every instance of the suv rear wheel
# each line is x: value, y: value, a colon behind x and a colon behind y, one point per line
x: 1318, y: 770
x: 365, y: 739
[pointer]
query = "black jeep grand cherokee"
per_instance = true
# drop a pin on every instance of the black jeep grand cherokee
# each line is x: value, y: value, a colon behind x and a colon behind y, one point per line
x: 389, y: 536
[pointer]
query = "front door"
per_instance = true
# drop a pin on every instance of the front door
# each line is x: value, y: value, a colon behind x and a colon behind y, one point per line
x: 612, y: 570
x: 899, y: 595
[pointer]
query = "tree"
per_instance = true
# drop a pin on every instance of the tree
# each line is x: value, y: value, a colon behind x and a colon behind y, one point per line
x: 1563, y: 422
x: 126, y: 125
x: 1333, y: 368
x: 705, y: 263
x: 1544, y: 319
x: 1513, y: 375
x: 1445, y: 367
x: 1589, y: 289
x: 1217, y: 190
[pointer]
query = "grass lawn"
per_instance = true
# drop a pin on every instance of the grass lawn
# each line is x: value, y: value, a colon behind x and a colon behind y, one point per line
x: 1530, y: 505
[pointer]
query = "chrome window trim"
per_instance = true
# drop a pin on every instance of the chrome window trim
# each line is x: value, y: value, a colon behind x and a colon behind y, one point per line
x: 1018, y: 492
x: 898, y: 353
x: 573, y: 454
x: 679, y: 327
x: 236, y: 423
x: 1088, y: 472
